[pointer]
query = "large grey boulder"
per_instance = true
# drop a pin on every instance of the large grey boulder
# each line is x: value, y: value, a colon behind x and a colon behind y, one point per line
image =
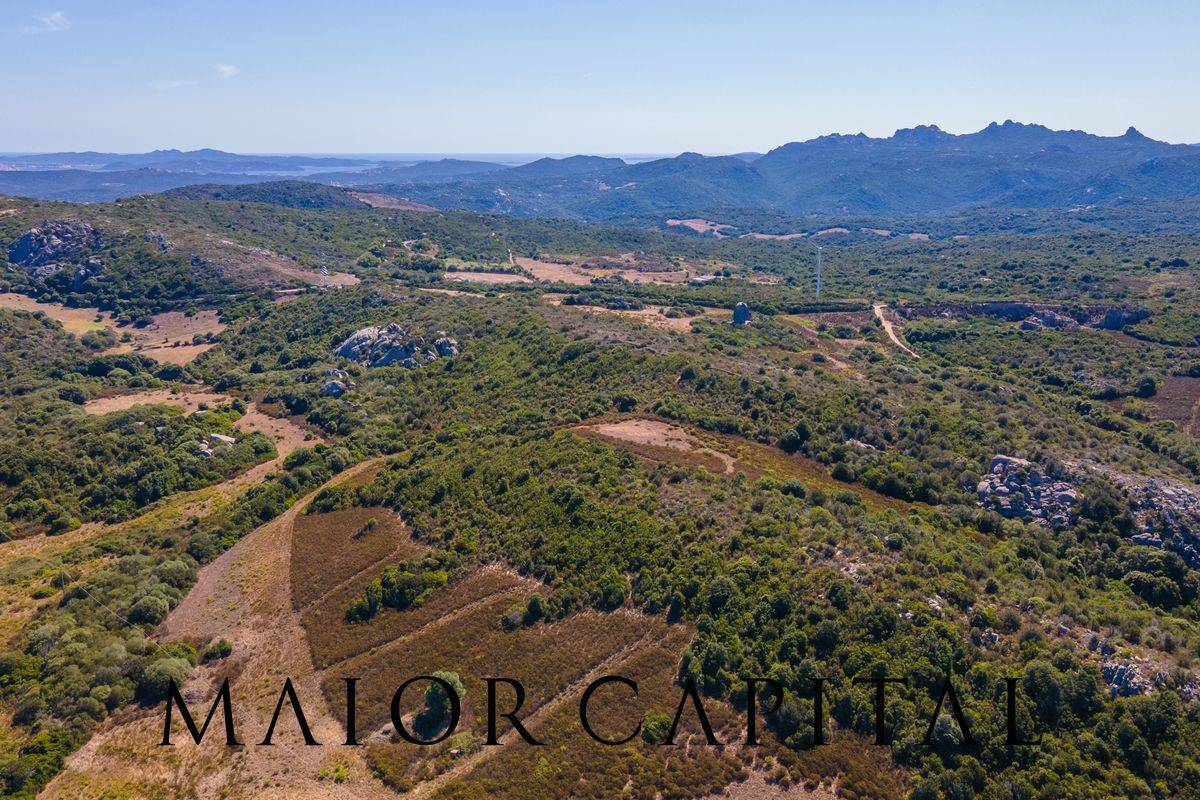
x: 741, y: 314
x: 381, y: 347
x: 40, y: 251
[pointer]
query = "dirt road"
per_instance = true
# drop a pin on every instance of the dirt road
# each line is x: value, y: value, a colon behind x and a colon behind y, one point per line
x: 891, y: 331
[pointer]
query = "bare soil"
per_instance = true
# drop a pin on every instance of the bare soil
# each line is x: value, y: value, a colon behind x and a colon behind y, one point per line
x: 485, y: 277
x: 554, y: 272
x: 701, y: 226
x: 650, y: 436
x: 189, y: 401
x: 381, y: 200
x: 1178, y: 399
x: 74, y: 320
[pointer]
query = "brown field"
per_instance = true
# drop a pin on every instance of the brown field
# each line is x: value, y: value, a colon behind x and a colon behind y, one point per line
x: 180, y: 354
x: 1178, y: 399
x: 485, y: 277
x: 553, y: 272
x: 271, y: 266
x: 649, y: 437
x: 582, y: 768
x: 451, y: 292
x: 189, y: 401
x: 919, y: 237
x: 554, y: 662
x: 701, y: 226
x: 654, y: 316
x: 74, y: 320
x: 329, y: 550
x: 333, y: 640
x: 178, y: 326
x: 877, y: 231
x: 544, y: 658
x: 780, y: 236
x: 657, y: 440
x: 831, y: 232
x: 381, y: 200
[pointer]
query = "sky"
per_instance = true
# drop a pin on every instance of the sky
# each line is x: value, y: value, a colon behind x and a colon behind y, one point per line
x: 515, y: 76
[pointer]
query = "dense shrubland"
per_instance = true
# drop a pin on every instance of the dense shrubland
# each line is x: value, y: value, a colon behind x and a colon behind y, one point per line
x: 780, y: 574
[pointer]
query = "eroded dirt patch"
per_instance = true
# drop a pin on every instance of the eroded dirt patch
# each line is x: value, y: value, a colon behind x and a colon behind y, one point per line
x: 652, y: 437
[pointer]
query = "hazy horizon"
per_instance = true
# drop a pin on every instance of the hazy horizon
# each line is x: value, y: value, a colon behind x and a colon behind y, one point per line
x: 616, y: 77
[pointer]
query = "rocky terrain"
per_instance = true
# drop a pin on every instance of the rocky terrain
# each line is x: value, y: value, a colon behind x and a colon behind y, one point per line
x: 1166, y: 513
x: 41, y: 250
x: 1017, y: 488
x: 381, y: 347
x: 1033, y: 316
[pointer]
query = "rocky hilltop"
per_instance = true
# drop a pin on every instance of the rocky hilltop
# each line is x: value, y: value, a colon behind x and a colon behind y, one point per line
x: 1017, y: 488
x: 41, y: 251
x: 384, y: 346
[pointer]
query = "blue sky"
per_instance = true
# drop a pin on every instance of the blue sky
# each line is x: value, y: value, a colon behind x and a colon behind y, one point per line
x: 601, y: 77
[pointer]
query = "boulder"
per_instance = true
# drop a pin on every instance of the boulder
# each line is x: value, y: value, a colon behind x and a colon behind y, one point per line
x: 334, y: 388
x: 50, y: 243
x: 382, y: 347
x: 741, y: 314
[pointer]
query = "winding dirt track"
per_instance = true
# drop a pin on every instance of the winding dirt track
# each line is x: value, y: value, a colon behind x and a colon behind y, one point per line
x: 890, y: 330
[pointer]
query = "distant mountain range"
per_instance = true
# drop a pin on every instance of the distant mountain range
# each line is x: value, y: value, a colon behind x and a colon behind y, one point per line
x: 917, y: 170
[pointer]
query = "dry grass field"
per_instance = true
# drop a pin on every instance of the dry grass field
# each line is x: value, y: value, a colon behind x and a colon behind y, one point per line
x: 330, y: 550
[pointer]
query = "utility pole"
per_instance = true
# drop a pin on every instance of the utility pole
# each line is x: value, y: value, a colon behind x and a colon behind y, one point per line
x: 819, y: 248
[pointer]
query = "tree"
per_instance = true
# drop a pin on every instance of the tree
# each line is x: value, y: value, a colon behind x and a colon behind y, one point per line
x: 437, y: 701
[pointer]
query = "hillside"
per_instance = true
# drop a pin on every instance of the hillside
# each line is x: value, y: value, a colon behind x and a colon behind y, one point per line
x: 290, y: 194
x: 541, y: 448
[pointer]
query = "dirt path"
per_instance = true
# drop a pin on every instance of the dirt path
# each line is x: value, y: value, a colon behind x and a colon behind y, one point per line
x: 244, y: 596
x: 890, y: 330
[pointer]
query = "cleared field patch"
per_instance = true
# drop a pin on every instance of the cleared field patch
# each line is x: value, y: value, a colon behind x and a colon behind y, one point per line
x: 778, y: 236
x: 180, y: 354
x: 544, y: 658
x: 717, y: 229
x: 652, y: 315
x: 189, y: 401
x: 381, y: 200
x: 74, y: 320
x: 660, y: 441
x: 554, y: 272
x: 485, y: 277
x: 333, y: 639
x: 180, y: 326
x: 656, y: 440
x: 1178, y: 399
x: 329, y: 549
